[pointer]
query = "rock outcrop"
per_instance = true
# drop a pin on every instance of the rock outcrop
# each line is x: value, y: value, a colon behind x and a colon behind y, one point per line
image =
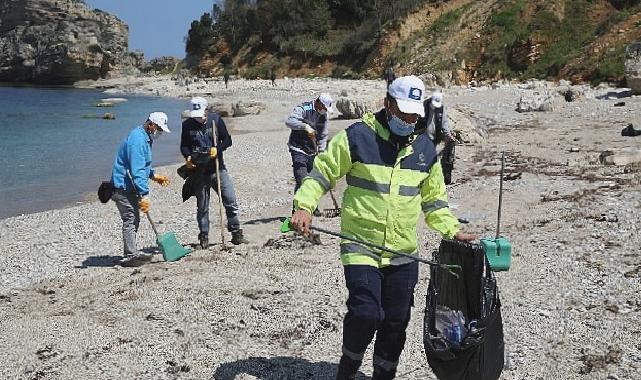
x: 633, y: 67
x: 59, y: 42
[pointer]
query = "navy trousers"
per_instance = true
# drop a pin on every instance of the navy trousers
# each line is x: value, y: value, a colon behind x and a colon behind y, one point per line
x: 302, y: 164
x: 379, y: 302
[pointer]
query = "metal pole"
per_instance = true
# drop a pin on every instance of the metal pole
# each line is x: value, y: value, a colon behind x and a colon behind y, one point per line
x: 498, y: 222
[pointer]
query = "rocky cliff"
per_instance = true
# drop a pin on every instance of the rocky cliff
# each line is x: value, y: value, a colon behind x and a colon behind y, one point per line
x: 58, y: 41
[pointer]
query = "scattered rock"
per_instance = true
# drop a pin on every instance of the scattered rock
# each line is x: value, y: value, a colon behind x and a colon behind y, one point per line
x: 113, y: 100
x: 109, y: 116
x: 619, y: 104
x: 535, y: 102
x: 622, y: 157
x: 598, y: 362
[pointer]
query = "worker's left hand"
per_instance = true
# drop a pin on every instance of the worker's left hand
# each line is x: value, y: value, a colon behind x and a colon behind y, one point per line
x: 301, y: 221
x: 162, y: 180
x: 213, y: 152
x: 463, y: 236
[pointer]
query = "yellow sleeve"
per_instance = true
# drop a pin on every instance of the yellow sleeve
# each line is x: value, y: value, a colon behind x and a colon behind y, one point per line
x: 435, y: 206
x: 329, y: 166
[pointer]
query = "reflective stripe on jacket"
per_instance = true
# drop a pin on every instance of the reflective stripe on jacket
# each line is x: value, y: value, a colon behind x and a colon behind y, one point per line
x: 387, y: 188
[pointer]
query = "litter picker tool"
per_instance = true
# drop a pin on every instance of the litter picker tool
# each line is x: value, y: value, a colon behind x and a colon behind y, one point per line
x: 452, y: 269
x: 220, y: 197
x: 499, y: 249
x: 171, y: 249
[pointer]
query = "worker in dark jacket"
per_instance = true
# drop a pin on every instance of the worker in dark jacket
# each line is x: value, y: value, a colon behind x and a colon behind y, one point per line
x: 435, y: 124
x: 200, y: 152
x: 309, y: 124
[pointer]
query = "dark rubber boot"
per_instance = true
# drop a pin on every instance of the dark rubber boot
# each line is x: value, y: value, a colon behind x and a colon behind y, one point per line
x: 238, y: 238
x: 347, y: 368
x: 381, y: 374
x: 204, y: 241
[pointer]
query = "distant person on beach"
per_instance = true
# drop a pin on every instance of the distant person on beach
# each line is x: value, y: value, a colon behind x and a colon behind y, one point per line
x: 226, y: 78
x: 392, y: 178
x: 308, y: 122
x: 133, y: 161
x: 389, y: 75
x: 200, y: 152
x: 272, y: 77
x: 435, y: 124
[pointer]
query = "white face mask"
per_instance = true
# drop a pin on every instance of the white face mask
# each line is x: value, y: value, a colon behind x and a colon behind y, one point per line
x: 156, y: 134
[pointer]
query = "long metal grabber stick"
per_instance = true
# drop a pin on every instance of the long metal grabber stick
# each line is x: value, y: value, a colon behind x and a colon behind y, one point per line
x: 498, y: 221
x: 449, y: 267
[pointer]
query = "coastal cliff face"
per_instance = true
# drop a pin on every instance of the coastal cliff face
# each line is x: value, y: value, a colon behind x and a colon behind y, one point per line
x: 59, y: 42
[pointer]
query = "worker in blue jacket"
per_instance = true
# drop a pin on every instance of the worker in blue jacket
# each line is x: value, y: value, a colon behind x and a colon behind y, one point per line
x: 200, y: 152
x: 133, y: 161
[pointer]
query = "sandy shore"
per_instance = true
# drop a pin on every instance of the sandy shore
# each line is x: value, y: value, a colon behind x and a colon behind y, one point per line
x: 571, y: 301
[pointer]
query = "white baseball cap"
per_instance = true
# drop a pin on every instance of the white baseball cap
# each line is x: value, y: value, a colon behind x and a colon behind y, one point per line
x: 437, y: 99
x: 197, y: 107
x: 408, y: 92
x: 160, y: 119
x: 327, y: 101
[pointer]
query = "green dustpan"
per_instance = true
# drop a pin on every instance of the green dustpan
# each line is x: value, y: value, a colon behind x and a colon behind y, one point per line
x: 171, y: 249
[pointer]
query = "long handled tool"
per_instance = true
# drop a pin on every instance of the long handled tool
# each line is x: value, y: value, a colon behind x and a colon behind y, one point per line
x: 220, y: 197
x: 499, y: 249
x: 287, y: 227
x: 171, y: 249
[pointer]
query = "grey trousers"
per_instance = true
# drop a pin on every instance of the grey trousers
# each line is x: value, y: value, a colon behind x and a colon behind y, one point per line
x: 127, y: 203
x: 203, y: 190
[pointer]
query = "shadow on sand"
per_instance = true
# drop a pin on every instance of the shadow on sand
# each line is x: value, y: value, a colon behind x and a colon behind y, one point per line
x: 110, y: 261
x: 279, y: 368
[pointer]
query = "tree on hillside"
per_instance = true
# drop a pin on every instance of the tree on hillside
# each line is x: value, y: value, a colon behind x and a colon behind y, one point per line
x: 200, y: 36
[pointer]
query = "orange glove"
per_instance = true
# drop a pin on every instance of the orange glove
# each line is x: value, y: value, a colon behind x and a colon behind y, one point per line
x: 213, y: 152
x: 161, y: 180
x: 144, y: 205
x: 189, y: 164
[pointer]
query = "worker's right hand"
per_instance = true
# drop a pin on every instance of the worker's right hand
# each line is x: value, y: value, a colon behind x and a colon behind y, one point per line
x: 301, y: 221
x: 144, y: 205
x: 311, y: 132
x: 189, y: 164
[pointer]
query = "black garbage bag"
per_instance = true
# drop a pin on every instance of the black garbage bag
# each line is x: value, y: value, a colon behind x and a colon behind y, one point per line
x: 471, y: 347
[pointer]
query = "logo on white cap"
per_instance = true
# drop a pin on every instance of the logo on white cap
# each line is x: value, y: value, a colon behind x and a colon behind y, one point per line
x: 198, y: 107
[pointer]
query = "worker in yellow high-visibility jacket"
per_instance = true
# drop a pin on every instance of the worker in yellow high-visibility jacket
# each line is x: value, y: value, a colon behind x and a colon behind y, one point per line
x: 392, y: 174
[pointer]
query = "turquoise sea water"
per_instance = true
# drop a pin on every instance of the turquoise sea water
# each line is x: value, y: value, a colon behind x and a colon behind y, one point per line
x: 51, y: 155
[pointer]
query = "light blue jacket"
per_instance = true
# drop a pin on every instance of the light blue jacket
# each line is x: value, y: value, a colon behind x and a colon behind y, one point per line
x: 134, y: 154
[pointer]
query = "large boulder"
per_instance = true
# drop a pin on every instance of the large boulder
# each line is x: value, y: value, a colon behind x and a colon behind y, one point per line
x: 58, y: 41
x: 224, y: 109
x: 243, y: 108
x: 463, y: 128
x: 536, y: 102
x: 355, y: 108
x: 633, y: 67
